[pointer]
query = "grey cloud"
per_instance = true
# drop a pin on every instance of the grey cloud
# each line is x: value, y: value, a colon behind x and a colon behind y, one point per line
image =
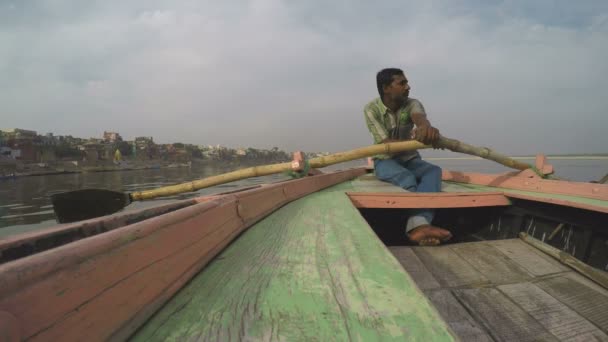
x: 297, y: 74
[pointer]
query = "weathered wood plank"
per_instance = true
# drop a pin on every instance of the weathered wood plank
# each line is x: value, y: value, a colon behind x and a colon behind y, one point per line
x: 448, y: 267
x: 103, y: 287
x: 589, y: 303
x: 408, y: 259
x: 535, y: 262
x: 369, y: 183
x: 504, y: 320
x: 313, y: 270
x: 574, y: 189
x: 427, y: 200
x: 555, y: 198
x: 555, y: 316
x: 457, y: 317
x: 70, y: 290
x: 597, y: 275
x: 490, y: 262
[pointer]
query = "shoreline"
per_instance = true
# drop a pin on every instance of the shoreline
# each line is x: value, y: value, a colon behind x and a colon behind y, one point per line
x: 92, y: 169
x: 157, y: 166
x: 118, y: 168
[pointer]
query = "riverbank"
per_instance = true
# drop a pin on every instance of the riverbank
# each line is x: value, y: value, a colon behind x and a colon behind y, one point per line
x: 46, y: 171
x: 40, y: 169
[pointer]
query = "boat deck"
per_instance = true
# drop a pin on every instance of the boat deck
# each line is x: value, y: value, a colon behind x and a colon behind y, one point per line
x: 507, y: 290
x: 314, y: 270
x: 311, y: 271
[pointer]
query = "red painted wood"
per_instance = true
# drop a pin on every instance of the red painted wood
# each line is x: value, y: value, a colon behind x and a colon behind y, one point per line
x: 52, y: 285
x: 560, y: 202
x: 105, y: 286
x: 587, y: 190
x: 9, y: 327
x: 56, y: 236
x: 251, y: 204
x: 427, y: 200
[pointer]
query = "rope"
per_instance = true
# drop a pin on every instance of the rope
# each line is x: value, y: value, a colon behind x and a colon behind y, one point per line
x: 538, y: 172
x: 299, y: 174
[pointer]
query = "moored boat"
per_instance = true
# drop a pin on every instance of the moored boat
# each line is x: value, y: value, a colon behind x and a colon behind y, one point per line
x: 324, y: 258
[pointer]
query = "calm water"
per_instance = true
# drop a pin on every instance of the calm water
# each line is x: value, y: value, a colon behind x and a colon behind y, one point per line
x: 25, y: 204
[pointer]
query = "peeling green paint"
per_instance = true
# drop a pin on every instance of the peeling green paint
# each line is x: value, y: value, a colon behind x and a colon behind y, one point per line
x: 312, y: 271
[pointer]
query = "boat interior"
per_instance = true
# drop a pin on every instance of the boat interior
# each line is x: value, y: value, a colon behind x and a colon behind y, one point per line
x: 490, y: 285
x: 486, y: 283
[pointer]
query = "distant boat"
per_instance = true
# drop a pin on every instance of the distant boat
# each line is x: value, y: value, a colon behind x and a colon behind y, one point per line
x: 323, y: 258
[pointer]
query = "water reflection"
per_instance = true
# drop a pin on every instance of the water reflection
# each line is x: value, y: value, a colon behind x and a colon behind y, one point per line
x: 25, y: 202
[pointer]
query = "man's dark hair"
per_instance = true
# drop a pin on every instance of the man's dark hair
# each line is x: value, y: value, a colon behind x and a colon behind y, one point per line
x: 384, y: 77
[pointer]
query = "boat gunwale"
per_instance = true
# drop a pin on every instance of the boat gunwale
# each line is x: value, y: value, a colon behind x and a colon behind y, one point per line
x: 535, y: 184
x: 22, y: 280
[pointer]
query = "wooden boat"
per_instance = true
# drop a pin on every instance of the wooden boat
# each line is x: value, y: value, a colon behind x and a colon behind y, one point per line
x: 321, y: 258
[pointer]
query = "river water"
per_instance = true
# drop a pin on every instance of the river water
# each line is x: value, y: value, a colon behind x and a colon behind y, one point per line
x: 25, y: 202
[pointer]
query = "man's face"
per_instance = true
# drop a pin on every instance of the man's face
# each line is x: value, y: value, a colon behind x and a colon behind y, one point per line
x: 399, y: 89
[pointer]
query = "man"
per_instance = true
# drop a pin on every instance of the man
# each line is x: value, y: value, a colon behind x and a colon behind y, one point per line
x: 391, y: 118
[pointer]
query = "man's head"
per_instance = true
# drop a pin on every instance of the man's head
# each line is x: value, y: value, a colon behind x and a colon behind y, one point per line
x: 392, y: 85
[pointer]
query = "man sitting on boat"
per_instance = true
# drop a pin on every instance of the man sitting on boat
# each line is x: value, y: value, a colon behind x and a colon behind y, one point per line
x: 391, y: 118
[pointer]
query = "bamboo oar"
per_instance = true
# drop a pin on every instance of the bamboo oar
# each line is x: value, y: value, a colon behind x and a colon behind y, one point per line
x: 87, y: 203
x: 336, y: 158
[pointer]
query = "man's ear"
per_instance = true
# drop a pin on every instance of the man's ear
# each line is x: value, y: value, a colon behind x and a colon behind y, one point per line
x: 385, y: 86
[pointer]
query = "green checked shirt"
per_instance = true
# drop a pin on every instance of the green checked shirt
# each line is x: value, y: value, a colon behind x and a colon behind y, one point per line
x: 383, y: 123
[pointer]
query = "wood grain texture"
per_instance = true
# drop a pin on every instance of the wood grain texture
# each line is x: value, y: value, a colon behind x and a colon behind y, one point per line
x: 589, y: 303
x: 559, y: 319
x: 449, y: 268
x: 416, y: 269
x: 398, y: 200
x: 312, y: 271
x: 509, y: 181
x: 554, y: 198
x: 457, y: 317
x: 528, y: 296
x: 504, y: 320
x: 533, y: 261
x: 105, y: 286
x: 370, y: 183
x: 492, y: 263
x: 597, y: 275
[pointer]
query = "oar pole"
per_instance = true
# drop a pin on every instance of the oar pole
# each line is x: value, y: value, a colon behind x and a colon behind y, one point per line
x: 483, y: 152
x: 265, y: 170
x: 255, y: 171
x: 336, y: 158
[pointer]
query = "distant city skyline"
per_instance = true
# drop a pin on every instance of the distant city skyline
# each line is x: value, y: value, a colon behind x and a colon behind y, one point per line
x: 519, y: 77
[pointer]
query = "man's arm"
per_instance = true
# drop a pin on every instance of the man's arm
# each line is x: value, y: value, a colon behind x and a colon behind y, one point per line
x: 425, y: 132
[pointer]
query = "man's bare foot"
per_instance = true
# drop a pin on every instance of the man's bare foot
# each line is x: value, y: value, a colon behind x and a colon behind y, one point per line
x: 428, y: 235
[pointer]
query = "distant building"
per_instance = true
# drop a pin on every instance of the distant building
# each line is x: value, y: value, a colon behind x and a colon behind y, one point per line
x: 146, y: 148
x: 8, y: 153
x: 144, y: 140
x: 49, y: 140
x: 22, y: 142
x: 93, y: 152
x: 95, y: 141
x: 18, y: 133
x: 111, y: 137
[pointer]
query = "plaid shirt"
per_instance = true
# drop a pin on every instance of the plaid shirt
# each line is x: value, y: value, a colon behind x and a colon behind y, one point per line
x: 384, y: 124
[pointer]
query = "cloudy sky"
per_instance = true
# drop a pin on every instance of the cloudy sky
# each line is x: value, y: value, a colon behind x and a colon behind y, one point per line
x: 520, y: 76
